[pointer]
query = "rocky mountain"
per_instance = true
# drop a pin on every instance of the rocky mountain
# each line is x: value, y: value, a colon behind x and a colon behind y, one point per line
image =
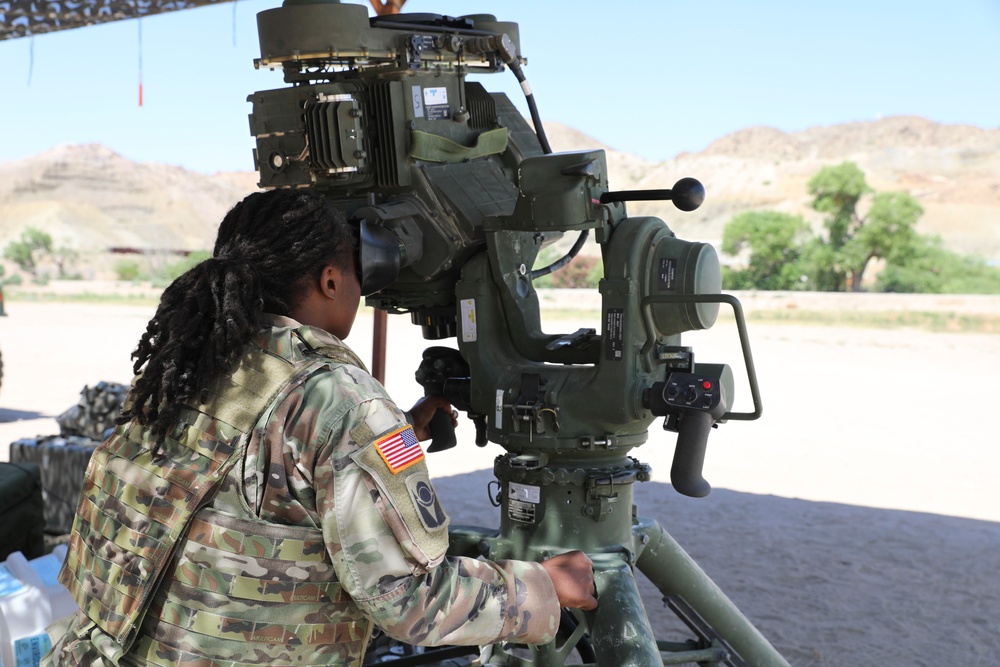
x: 952, y: 170
x: 92, y: 199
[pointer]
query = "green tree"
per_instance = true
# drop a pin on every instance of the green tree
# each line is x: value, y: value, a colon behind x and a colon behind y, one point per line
x: 64, y: 257
x: 784, y: 254
x: 774, y: 242
x: 176, y: 269
x: 888, y: 233
x: 26, y: 252
x: 887, y: 229
x: 127, y: 269
x: 927, y: 267
x: 822, y: 267
x: 836, y: 191
x: 163, y: 274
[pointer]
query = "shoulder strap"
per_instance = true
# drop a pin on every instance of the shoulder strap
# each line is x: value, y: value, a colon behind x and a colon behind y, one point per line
x: 256, y: 381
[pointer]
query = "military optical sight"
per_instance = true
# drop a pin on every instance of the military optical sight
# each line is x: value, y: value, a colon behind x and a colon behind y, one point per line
x: 453, y: 195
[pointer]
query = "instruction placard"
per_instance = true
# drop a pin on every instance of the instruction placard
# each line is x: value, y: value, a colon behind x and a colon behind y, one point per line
x: 667, y: 275
x: 614, y: 333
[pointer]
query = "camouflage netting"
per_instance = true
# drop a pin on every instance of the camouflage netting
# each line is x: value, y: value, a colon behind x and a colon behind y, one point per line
x: 94, y: 415
x: 23, y: 18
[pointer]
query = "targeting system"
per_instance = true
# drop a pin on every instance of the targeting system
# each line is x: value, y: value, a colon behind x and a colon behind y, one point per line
x: 454, y: 195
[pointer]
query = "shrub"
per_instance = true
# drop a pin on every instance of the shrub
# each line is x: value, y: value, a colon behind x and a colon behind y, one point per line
x: 127, y: 269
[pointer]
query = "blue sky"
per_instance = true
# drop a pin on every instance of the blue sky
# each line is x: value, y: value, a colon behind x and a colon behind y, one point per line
x: 650, y: 78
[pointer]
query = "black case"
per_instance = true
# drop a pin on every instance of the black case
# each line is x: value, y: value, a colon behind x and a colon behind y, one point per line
x: 21, y: 510
x: 63, y: 461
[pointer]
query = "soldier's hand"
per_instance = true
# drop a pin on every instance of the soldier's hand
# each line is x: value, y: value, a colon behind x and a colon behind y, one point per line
x: 572, y: 574
x: 423, y: 411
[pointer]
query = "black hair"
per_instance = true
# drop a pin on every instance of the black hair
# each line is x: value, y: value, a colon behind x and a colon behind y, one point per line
x: 267, y: 248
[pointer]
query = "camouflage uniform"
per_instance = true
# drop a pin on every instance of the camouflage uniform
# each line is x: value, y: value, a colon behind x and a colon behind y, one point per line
x: 278, y: 535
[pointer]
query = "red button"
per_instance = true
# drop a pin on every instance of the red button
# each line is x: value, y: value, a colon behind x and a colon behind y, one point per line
x: 707, y: 384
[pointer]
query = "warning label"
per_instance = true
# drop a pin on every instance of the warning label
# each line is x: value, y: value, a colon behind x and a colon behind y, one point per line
x: 470, y: 331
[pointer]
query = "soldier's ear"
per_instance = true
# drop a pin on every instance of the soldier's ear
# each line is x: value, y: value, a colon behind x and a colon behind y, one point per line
x: 329, y: 281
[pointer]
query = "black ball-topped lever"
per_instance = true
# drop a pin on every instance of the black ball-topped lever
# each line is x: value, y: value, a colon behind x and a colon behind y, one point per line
x: 687, y: 194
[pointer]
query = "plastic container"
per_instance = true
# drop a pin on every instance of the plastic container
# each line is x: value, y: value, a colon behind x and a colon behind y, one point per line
x: 31, y: 598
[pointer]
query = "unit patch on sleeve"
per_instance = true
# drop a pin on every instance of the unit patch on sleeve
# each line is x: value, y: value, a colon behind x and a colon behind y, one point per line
x: 426, y: 502
x: 399, y: 449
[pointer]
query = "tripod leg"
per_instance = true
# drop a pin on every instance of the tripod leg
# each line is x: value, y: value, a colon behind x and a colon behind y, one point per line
x: 619, y: 629
x: 674, y: 572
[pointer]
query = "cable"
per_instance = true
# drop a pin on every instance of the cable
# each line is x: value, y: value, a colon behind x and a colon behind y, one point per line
x: 536, y: 120
x: 566, y: 259
x: 529, y: 97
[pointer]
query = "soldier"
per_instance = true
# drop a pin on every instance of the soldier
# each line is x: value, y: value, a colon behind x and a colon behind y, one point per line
x: 262, y: 501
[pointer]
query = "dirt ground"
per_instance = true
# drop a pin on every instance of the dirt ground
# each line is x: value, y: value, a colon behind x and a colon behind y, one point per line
x: 856, y: 523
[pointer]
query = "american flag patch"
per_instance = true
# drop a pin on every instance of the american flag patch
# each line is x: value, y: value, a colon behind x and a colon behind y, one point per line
x: 399, y: 449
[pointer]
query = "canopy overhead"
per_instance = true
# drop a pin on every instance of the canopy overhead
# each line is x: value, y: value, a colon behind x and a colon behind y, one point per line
x: 24, y: 18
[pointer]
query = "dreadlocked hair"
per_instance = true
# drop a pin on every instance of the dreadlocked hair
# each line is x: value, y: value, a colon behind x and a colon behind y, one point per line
x: 267, y: 248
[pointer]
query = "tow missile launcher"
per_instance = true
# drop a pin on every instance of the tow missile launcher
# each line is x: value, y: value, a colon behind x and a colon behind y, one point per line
x: 453, y: 195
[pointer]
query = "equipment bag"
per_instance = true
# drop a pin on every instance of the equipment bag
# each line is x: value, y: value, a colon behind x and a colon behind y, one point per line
x: 21, y: 508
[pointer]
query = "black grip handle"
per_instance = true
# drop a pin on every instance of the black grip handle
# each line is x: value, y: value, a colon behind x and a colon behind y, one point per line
x: 689, y: 454
x: 442, y: 432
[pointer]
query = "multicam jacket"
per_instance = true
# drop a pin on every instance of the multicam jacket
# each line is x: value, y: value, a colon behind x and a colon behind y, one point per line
x: 278, y: 522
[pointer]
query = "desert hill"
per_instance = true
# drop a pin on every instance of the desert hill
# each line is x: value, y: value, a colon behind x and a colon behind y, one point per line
x: 92, y: 199
x: 952, y: 170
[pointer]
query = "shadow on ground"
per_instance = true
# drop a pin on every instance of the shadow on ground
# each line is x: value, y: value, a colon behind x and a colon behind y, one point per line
x: 826, y: 583
x: 8, y: 415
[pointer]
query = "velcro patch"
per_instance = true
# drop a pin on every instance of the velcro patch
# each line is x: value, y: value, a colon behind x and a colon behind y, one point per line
x: 399, y: 449
x: 425, y: 501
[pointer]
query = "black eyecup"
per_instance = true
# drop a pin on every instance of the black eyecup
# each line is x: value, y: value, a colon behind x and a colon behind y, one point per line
x: 379, y: 258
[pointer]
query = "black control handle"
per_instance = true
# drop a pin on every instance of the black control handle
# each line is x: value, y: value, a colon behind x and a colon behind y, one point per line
x: 442, y: 432
x: 687, y: 194
x: 689, y: 454
x: 693, y: 403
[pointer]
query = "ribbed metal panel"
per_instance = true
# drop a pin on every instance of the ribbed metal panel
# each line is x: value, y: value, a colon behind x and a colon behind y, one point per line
x: 319, y: 132
x: 482, y: 108
x: 381, y: 134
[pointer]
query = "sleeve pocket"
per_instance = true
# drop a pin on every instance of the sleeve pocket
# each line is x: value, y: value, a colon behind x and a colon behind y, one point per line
x: 413, y: 509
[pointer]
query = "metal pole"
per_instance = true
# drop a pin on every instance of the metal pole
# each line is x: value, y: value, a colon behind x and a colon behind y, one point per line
x: 619, y: 628
x: 379, y: 337
x: 674, y: 572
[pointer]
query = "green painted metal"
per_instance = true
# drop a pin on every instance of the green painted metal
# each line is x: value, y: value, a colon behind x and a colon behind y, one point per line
x: 674, y: 572
x: 461, y: 196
